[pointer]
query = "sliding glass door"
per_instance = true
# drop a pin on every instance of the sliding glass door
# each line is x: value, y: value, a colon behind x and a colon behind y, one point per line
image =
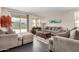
x: 19, y: 24
x: 16, y: 24
x: 23, y: 25
x: 36, y: 23
x: 33, y: 23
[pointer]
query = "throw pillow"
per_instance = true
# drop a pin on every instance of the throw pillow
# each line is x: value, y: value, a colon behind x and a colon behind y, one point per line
x: 72, y: 34
x: 77, y: 35
x: 64, y: 34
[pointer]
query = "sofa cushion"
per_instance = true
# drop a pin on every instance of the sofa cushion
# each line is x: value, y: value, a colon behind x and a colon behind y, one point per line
x: 72, y: 34
x: 64, y: 34
x: 77, y: 35
x: 2, y: 32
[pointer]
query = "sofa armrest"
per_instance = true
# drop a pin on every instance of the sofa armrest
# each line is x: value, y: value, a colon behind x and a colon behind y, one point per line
x: 51, y: 44
x: 8, y: 41
x: 64, y: 34
x: 7, y: 35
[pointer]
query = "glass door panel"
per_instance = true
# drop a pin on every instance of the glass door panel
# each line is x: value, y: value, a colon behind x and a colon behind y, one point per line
x: 16, y: 24
x: 23, y: 25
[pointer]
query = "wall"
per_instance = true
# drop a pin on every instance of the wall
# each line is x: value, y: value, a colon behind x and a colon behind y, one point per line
x: 0, y: 15
x: 54, y: 16
x: 5, y: 12
x: 0, y: 11
x: 67, y: 18
x: 19, y: 13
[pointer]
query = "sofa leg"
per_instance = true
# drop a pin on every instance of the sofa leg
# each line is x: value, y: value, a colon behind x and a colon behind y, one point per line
x: 50, y: 51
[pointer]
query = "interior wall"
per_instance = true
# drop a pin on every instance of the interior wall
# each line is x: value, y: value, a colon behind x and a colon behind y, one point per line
x: 67, y: 18
x: 9, y: 12
x: 5, y: 12
x: 0, y: 11
x: 54, y: 16
x: 0, y: 15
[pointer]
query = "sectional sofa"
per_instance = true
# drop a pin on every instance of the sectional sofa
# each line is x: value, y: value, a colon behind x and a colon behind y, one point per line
x: 65, y: 44
x: 8, y: 41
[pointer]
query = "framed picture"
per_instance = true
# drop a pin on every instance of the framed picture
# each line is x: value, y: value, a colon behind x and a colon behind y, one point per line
x: 54, y: 21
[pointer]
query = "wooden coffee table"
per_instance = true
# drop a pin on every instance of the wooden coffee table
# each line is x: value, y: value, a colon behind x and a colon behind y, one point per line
x: 44, y: 35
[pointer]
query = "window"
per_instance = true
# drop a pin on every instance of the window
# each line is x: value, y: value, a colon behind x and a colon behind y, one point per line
x: 77, y: 19
x: 23, y: 25
x: 36, y: 22
x: 16, y: 24
x: 19, y: 24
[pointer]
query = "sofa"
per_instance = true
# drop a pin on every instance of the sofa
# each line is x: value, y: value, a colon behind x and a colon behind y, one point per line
x: 26, y: 37
x: 65, y: 44
x: 8, y: 41
x: 56, y: 30
x: 34, y: 29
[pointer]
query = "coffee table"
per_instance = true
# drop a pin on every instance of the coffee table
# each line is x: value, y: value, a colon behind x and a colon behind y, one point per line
x: 44, y: 35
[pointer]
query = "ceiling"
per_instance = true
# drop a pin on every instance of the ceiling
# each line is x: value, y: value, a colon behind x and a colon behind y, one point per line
x: 43, y: 11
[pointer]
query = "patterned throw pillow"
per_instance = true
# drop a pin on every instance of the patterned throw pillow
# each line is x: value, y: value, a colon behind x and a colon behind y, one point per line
x: 72, y: 34
x: 77, y: 35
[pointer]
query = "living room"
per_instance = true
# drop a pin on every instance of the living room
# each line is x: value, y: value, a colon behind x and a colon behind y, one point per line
x: 39, y: 29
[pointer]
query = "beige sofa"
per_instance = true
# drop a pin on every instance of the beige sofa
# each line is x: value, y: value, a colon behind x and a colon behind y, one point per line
x: 8, y: 41
x: 26, y: 37
x: 62, y: 44
x: 66, y: 42
x: 56, y: 30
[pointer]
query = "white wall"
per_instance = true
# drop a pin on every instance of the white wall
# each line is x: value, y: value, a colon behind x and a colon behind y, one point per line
x: 67, y: 18
x: 0, y: 15
x: 5, y: 12
x: 54, y: 16
x: 0, y: 11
